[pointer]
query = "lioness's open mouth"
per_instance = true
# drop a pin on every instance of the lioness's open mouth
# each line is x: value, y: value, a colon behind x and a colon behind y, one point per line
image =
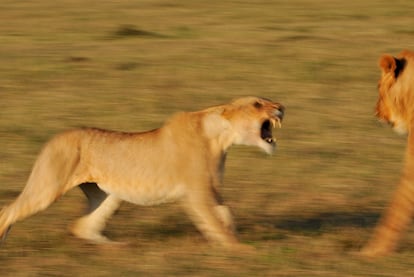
x: 266, y: 130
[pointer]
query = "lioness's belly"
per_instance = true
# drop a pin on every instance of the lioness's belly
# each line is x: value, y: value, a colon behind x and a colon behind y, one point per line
x: 145, y: 195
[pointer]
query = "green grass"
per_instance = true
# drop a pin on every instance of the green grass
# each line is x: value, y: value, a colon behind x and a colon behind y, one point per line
x: 128, y: 65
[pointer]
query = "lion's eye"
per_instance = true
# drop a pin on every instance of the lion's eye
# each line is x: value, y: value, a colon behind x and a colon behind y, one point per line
x: 258, y: 105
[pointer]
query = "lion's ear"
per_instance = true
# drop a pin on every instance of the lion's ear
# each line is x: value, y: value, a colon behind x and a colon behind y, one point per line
x: 389, y: 64
x: 214, y: 124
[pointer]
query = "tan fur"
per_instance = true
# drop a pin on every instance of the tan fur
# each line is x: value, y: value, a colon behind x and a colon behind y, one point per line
x: 181, y: 161
x: 396, y: 106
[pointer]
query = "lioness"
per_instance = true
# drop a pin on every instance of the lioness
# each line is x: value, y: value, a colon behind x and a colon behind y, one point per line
x: 183, y: 160
x: 396, y: 106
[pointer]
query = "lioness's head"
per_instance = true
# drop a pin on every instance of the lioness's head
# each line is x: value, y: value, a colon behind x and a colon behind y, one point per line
x: 252, y: 120
x: 396, y: 87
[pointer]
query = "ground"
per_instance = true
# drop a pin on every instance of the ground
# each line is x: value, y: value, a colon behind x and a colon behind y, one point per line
x: 128, y: 65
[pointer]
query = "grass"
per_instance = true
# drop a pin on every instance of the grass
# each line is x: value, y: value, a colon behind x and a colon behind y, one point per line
x: 127, y: 65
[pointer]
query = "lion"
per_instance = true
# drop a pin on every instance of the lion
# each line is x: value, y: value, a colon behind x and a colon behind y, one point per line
x: 396, y: 106
x: 181, y: 161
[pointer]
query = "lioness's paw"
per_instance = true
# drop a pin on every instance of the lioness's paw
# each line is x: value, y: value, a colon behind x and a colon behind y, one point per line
x: 243, y: 249
x: 375, y: 251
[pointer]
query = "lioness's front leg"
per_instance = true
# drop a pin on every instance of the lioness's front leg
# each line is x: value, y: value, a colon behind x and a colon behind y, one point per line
x: 212, y: 219
x: 224, y: 214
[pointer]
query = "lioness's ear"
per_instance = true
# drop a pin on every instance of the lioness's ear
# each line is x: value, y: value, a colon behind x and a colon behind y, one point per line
x: 389, y: 64
x: 214, y: 124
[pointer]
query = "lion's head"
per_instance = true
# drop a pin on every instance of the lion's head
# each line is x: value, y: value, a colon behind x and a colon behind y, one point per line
x: 396, y: 88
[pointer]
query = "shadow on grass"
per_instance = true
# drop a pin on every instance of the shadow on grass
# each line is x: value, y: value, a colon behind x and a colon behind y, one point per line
x: 324, y: 221
x: 130, y: 31
x: 172, y: 226
x: 271, y: 228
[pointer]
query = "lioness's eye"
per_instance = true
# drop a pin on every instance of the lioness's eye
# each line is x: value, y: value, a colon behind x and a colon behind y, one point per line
x: 258, y: 105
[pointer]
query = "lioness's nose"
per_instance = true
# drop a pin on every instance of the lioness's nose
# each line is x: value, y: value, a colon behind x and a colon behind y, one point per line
x: 280, y: 111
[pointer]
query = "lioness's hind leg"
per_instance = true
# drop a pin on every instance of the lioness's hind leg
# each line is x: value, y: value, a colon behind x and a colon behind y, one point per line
x: 29, y: 202
x: 101, y: 207
x: 51, y: 177
x: 94, y: 194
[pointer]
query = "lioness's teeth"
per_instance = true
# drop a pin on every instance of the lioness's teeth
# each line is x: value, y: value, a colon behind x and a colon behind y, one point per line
x: 269, y: 140
x: 279, y: 123
x: 273, y: 121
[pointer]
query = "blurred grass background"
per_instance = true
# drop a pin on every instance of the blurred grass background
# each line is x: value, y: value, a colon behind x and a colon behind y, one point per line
x: 128, y: 65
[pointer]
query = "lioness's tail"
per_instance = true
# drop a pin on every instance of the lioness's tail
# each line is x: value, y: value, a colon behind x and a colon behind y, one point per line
x: 49, y: 179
